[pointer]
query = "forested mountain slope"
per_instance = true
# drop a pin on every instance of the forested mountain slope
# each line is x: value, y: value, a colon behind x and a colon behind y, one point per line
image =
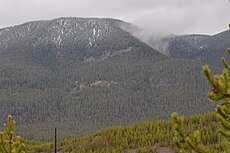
x: 84, y: 74
x: 214, y: 48
x: 66, y: 40
x: 179, y: 46
x: 118, y: 91
x: 208, y: 49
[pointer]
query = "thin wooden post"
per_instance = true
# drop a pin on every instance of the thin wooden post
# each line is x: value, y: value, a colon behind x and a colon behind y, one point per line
x: 55, y: 146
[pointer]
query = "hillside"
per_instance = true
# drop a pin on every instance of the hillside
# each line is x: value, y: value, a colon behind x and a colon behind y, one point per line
x: 111, y: 92
x: 208, y: 49
x: 65, y: 40
x: 139, y: 137
x: 84, y: 74
x: 214, y: 48
x: 179, y: 46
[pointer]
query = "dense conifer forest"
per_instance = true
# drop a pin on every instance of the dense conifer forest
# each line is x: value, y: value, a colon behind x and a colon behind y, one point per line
x: 85, y: 81
x: 96, y: 84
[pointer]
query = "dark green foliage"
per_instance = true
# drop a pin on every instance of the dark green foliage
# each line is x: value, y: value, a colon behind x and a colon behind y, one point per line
x: 144, y: 88
x: 79, y: 88
x: 220, y: 94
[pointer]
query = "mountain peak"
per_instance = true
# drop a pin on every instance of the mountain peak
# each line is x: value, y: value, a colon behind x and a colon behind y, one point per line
x: 70, y: 38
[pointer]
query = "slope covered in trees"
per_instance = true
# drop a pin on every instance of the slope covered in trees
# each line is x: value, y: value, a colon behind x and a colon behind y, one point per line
x: 110, y: 92
x: 179, y: 46
x: 208, y: 49
x: 68, y: 81
x: 141, y: 137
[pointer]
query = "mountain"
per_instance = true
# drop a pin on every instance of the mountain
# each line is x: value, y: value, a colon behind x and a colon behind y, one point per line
x: 117, y: 91
x: 183, y: 46
x: 208, y: 49
x: 66, y: 40
x: 214, y: 48
x: 84, y: 74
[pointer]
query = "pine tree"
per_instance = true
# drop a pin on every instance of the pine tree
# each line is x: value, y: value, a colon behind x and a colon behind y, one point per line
x: 9, y: 143
x: 220, y: 94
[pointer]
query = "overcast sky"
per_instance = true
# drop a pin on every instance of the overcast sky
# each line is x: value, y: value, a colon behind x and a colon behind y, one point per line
x: 172, y: 16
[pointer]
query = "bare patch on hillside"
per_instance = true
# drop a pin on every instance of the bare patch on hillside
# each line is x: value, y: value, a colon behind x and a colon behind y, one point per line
x: 98, y: 83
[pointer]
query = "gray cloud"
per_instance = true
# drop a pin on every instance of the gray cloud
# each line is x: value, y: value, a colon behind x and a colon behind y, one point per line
x: 157, y: 16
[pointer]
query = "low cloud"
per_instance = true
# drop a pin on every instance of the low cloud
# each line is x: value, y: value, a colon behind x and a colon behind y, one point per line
x: 154, y: 16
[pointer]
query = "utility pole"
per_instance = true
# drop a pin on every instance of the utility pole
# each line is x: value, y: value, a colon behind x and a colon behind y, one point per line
x: 55, y: 146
